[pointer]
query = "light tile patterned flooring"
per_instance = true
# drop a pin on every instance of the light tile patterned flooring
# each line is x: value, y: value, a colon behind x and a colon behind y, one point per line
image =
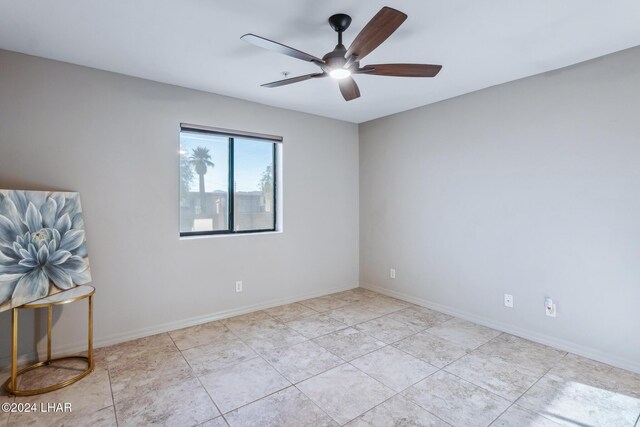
x: 357, y: 358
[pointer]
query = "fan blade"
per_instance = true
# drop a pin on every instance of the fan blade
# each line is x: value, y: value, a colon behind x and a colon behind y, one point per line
x: 280, y: 48
x: 401, y: 70
x: 381, y: 26
x: 349, y: 88
x: 294, y: 80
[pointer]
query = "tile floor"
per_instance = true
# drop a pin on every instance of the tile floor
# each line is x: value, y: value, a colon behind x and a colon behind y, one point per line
x: 355, y: 358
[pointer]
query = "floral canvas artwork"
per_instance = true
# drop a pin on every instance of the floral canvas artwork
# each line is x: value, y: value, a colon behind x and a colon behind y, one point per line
x: 43, y: 249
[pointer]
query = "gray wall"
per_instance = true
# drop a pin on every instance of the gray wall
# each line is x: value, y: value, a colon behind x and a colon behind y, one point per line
x: 115, y: 140
x: 530, y: 188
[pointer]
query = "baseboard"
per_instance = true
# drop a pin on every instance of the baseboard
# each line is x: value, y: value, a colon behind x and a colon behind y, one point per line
x: 108, y: 340
x: 588, y: 352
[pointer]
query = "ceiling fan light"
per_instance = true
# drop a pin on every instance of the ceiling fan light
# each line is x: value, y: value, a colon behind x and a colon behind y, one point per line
x: 340, y: 73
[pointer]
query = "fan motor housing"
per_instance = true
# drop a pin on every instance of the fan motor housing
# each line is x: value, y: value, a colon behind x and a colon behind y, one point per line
x: 335, y: 58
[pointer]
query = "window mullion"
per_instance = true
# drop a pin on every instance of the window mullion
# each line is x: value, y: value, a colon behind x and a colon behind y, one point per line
x: 275, y: 187
x: 231, y: 189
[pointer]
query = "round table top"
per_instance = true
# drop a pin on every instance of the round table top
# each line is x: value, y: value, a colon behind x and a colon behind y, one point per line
x: 64, y: 297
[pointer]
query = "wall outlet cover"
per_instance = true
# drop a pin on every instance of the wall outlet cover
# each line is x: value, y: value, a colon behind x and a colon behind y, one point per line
x: 549, y: 307
x: 508, y: 300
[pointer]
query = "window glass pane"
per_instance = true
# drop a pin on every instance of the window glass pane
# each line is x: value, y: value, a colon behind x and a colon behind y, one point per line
x: 204, y: 182
x: 254, y: 207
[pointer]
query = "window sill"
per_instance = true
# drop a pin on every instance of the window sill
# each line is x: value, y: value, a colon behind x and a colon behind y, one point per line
x: 218, y: 236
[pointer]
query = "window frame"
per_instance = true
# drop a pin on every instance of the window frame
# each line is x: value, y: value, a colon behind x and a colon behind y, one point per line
x: 231, y: 135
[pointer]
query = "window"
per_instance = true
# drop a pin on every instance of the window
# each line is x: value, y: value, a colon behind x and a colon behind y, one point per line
x: 227, y: 181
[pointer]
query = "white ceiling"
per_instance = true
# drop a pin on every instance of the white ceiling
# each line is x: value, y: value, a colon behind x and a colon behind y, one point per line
x: 196, y: 44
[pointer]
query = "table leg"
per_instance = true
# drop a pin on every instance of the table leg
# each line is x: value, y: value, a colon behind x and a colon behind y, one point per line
x: 14, y: 348
x: 90, y: 350
x: 49, y: 324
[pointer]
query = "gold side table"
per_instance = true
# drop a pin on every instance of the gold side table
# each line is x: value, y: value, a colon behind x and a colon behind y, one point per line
x: 75, y: 294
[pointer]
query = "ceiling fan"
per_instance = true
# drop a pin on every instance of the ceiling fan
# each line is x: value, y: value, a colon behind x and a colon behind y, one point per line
x: 342, y: 63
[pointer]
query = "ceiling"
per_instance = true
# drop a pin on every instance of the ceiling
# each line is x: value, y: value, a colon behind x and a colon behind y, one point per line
x: 196, y: 44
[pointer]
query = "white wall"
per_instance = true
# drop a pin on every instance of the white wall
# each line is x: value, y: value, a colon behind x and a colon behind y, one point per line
x: 530, y: 188
x: 115, y: 140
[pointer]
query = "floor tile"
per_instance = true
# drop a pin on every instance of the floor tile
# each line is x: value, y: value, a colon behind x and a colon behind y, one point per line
x: 387, y: 330
x: 54, y: 373
x: 456, y: 401
x: 325, y: 303
x: 349, y: 343
x: 242, y: 383
x: 516, y: 416
x: 365, y: 291
x: 93, y: 391
x: 521, y: 352
x: 247, y: 321
x: 288, y: 407
x: 301, y: 361
x: 355, y: 295
x: 286, y: 313
x: 168, y: 406
x: 316, y: 325
x: 4, y: 416
x: 104, y: 417
x: 495, y: 374
x: 273, y: 338
x: 132, y: 380
x: 466, y: 334
x: 420, y: 317
x: 600, y: 375
x: 208, y: 333
x: 212, y: 357
x: 394, y: 368
x: 581, y: 401
x: 383, y: 305
x: 397, y: 412
x: 216, y: 422
x: 88, y: 397
x: 125, y: 353
x: 352, y: 315
x: 262, y: 328
x: 5, y: 373
x: 99, y: 357
x: 432, y: 349
x: 345, y: 392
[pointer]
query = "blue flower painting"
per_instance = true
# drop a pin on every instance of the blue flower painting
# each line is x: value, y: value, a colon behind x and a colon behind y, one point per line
x: 43, y: 249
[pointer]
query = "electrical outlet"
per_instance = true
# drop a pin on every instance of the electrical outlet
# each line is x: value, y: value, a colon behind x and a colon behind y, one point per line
x: 392, y: 273
x: 239, y: 286
x: 508, y: 300
x: 549, y: 307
